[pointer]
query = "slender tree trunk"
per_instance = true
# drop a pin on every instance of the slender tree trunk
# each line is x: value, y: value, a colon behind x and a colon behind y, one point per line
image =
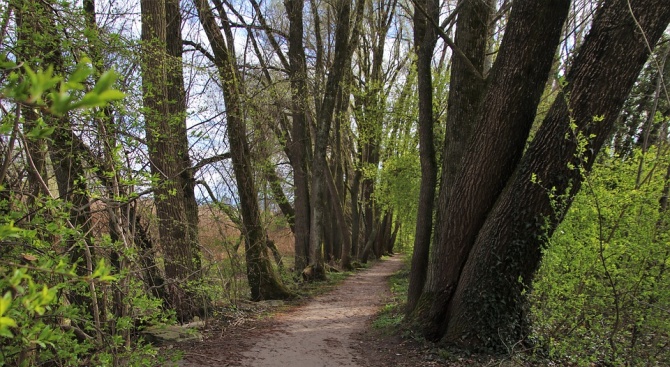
x: 27, y: 23
x: 355, y: 213
x: 508, y: 248
x: 425, y: 38
x: 176, y: 106
x: 394, y: 236
x: 287, y: 210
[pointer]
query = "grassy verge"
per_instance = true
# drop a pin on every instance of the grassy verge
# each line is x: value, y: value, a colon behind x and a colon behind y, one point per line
x: 391, y: 316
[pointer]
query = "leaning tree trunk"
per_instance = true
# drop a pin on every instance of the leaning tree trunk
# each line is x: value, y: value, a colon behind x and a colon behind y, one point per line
x: 507, y: 112
x: 488, y: 302
x: 263, y: 281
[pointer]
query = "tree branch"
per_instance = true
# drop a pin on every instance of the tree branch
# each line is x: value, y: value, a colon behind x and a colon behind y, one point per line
x: 211, y: 160
x: 445, y: 37
x: 227, y: 209
x: 199, y: 47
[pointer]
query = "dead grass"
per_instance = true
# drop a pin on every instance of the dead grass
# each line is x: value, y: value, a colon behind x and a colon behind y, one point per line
x: 219, y: 235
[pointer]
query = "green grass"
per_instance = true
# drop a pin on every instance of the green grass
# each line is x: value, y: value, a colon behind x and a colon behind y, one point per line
x: 393, y: 312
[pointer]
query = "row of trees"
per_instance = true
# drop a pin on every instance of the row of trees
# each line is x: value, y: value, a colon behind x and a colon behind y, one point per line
x: 220, y: 99
x: 318, y: 107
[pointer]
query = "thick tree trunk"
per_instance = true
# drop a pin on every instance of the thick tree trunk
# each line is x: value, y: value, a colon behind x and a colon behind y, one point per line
x: 488, y: 304
x: 465, y: 92
x: 300, y: 143
x: 340, y: 225
x: 508, y: 108
x: 167, y: 147
x: 263, y: 281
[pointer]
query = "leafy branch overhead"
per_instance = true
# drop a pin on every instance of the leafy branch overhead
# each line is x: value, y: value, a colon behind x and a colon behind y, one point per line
x: 56, y: 93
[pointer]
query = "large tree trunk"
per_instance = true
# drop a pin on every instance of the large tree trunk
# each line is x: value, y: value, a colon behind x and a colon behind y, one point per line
x: 466, y: 89
x: 340, y: 224
x: 263, y: 281
x: 488, y: 304
x: 507, y: 112
x: 176, y: 106
x: 166, y: 152
x: 300, y: 143
x: 425, y: 37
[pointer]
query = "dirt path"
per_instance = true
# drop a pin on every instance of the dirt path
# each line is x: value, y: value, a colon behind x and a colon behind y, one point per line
x: 319, y: 333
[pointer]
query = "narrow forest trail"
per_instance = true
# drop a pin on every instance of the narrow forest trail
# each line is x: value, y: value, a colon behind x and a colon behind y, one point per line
x: 320, y: 332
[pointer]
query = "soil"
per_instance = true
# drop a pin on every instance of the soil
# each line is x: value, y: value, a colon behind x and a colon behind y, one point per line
x: 329, y: 330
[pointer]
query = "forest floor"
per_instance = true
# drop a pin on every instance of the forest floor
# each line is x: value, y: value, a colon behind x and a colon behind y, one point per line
x: 333, y: 329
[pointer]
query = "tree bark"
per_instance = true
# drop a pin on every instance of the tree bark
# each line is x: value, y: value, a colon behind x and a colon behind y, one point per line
x: 300, y: 143
x: 176, y: 106
x: 166, y: 139
x: 507, y: 112
x: 274, y: 181
x: 508, y: 248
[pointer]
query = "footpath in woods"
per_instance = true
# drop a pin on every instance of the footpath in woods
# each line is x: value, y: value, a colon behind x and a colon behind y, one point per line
x: 318, y: 333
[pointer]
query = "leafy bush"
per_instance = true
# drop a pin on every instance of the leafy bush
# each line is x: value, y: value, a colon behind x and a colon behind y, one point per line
x: 602, y: 294
x: 55, y: 310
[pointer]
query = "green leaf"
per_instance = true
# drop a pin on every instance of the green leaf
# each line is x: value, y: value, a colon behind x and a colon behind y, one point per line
x: 5, y: 302
x: 112, y: 95
x: 7, y: 322
x: 4, y: 331
x: 81, y: 72
x: 9, y: 231
x: 60, y: 102
x: 105, y: 82
x: 6, y: 128
x: 40, y: 132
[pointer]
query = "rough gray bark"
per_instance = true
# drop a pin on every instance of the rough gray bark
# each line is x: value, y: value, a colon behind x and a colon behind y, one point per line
x: 463, y: 110
x: 176, y: 95
x: 319, y: 186
x: 166, y: 139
